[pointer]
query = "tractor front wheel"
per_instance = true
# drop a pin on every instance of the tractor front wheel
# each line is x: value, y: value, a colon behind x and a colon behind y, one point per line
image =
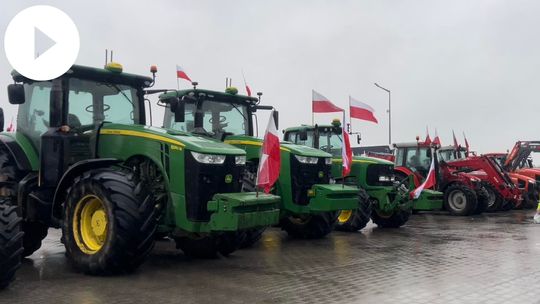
x: 109, y: 222
x: 395, y: 220
x: 494, y: 199
x: 310, y: 226
x: 460, y: 200
x: 252, y: 236
x: 11, y: 242
x: 209, y: 247
x: 354, y: 220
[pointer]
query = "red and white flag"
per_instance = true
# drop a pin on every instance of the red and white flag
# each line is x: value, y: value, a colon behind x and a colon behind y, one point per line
x: 180, y: 73
x: 10, y: 128
x: 456, y: 144
x: 428, y: 139
x: 466, y: 142
x: 428, y: 182
x: 321, y: 104
x: 270, y: 164
x: 436, y: 140
x: 248, y: 89
x: 346, y: 153
x: 360, y: 110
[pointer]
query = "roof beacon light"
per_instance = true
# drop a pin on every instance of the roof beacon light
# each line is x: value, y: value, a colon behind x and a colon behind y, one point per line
x: 231, y: 90
x: 336, y: 122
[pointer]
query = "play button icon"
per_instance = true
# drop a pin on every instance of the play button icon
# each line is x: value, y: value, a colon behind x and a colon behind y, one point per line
x: 41, y: 42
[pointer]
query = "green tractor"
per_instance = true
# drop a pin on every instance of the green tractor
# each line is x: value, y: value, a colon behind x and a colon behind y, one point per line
x: 83, y: 160
x: 390, y: 200
x: 309, y: 202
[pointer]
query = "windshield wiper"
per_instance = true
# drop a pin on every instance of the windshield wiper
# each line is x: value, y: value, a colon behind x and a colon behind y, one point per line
x: 121, y: 92
x: 236, y: 108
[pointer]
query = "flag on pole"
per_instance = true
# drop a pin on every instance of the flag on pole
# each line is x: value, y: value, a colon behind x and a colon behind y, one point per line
x: 428, y: 139
x: 466, y: 143
x: 346, y: 153
x: 248, y: 89
x: 270, y: 164
x: 428, y: 182
x: 436, y: 140
x: 360, y: 110
x: 180, y: 73
x: 321, y: 104
x: 456, y: 144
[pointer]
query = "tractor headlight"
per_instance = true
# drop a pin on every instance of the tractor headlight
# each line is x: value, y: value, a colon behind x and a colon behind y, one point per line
x: 384, y: 178
x: 328, y: 160
x: 211, y: 159
x: 307, y: 160
x: 240, y: 160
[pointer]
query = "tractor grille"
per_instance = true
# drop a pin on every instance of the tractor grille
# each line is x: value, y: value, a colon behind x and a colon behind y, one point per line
x: 377, y: 170
x: 304, y: 176
x: 202, y: 181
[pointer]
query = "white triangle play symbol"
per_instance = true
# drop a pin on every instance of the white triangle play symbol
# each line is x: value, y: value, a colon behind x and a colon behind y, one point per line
x: 42, y: 43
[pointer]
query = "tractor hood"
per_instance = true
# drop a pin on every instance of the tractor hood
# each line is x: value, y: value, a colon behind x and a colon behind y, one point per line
x: 179, y: 139
x: 285, y: 146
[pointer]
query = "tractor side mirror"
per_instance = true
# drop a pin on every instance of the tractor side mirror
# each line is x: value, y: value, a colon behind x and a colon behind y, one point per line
x: 177, y: 107
x: 1, y: 120
x: 16, y: 94
x: 302, y: 135
x: 276, y: 118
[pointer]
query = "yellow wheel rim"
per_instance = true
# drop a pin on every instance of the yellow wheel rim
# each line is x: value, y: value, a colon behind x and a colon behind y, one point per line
x: 344, y: 216
x: 90, y: 224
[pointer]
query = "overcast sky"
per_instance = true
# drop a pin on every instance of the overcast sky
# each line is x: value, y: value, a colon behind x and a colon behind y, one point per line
x: 466, y: 65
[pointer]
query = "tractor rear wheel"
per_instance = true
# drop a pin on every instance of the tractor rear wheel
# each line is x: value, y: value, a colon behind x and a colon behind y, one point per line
x: 11, y: 245
x: 310, y: 226
x: 482, y: 199
x: 354, y: 220
x: 460, y: 200
x: 209, y: 247
x: 530, y: 200
x: 494, y: 199
x: 109, y: 222
x: 10, y: 175
x: 394, y: 220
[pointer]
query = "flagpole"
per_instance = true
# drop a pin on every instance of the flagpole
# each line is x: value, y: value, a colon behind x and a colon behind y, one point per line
x: 178, y: 83
x: 343, y: 139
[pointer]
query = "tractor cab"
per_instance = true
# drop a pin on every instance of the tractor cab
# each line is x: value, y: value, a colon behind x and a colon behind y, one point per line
x: 327, y: 138
x: 449, y: 153
x: 416, y: 156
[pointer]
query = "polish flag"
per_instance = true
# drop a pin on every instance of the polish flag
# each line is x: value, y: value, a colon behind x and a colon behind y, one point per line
x: 180, y: 73
x: 321, y: 104
x: 270, y: 164
x: 456, y: 144
x: 436, y: 140
x: 360, y: 110
x: 248, y: 90
x: 346, y: 153
x: 466, y: 142
x: 10, y: 128
x: 428, y: 139
x: 428, y: 182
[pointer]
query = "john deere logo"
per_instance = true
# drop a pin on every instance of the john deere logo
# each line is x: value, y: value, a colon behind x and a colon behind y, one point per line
x: 228, y: 178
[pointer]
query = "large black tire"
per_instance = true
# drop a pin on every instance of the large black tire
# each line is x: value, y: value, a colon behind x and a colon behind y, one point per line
x: 494, y: 200
x: 11, y: 246
x: 209, y: 247
x: 314, y: 226
x: 10, y: 175
x: 530, y: 200
x: 129, y: 211
x: 482, y: 200
x: 395, y: 220
x: 354, y: 220
x: 251, y: 237
x: 460, y: 200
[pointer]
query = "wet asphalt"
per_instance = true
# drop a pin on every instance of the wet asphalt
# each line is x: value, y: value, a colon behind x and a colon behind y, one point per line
x: 435, y: 258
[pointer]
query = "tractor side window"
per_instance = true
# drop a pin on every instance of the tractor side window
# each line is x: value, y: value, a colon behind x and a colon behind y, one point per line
x: 308, y: 142
x: 399, y: 157
x: 120, y: 107
x: 33, y: 116
x: 419, y: 159
x: 189, y: 123
x: 290, y: 136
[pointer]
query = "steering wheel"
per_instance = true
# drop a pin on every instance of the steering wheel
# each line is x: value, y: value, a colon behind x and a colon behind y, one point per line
x: 222, y: 119
x: 90, y: 109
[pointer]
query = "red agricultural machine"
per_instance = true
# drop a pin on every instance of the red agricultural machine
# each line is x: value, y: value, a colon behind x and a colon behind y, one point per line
x: 464, y: 194
x: 503, y: 194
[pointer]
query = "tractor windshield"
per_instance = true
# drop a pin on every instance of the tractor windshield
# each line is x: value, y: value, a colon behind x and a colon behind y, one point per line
x: 330, y: 142
x: 419, y: 159
x: 213, y: 118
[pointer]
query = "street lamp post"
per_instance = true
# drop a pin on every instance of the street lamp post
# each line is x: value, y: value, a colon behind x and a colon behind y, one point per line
x: 389, y: 113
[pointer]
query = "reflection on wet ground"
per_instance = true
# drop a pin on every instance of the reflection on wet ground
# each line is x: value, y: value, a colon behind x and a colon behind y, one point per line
x: 491, y: 258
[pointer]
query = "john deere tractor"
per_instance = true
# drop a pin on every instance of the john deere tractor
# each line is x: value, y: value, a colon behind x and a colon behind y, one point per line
x: 389, y: 201
x: 82, y: 159
x: 309, y: 202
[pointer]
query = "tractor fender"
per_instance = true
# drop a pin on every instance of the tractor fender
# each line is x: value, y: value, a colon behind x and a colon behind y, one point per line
x: 67, y: 179
x: 16, y: 151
